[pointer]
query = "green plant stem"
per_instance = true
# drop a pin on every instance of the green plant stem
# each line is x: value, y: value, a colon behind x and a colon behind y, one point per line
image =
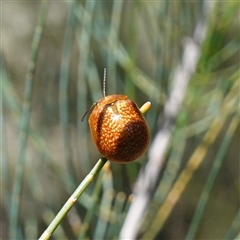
x: 193, y: 164
x: 77, y: 193
x: 63, y: 88
x: 84, y: 58
x: 17, y: 185
x: 113, y: 39
x: 105, y: 205
x: 211, y: 179
x: 233, y: 230
x: 90, y: 213
x: 73, y: 198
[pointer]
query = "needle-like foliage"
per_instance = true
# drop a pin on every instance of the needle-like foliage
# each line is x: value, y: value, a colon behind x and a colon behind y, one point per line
x: 182, y: 56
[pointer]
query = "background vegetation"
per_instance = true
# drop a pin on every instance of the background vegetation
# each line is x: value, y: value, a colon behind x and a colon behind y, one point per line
x: 141, y: 44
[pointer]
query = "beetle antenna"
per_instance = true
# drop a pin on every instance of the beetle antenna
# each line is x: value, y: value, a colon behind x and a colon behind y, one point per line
x: 104, y: 82
x: 104, y: 94
x: 84, y: 115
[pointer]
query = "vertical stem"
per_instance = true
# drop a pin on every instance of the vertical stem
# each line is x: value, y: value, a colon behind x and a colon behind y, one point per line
x: 84, y: 56
x: 113, y: 42
x: 63, y: 88
x: 17, y: 184
x: 211, y: 179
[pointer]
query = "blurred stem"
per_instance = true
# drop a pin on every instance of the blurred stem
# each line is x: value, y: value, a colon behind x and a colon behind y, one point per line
x: 63, y: 88
x: 169, y: 175
x: 113, y: 40
x: 211, y: 178
x: 90, y: 213
x: 105, y: 205
x: 234, y: 228
x: 237, y: 237
x: 77, y: 193
x: 17, y: 185
x: 84, y: 56
x: 193, y: 164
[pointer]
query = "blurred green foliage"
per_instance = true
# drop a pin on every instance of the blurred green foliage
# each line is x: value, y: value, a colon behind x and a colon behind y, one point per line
x: 141, y: 44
